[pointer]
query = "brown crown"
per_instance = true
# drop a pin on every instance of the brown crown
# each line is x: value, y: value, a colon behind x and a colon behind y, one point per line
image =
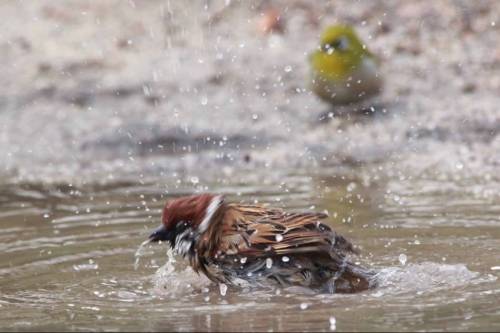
x: 190, y: 209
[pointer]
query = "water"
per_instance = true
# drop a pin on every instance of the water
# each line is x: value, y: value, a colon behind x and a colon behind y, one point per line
x: 67, y: 258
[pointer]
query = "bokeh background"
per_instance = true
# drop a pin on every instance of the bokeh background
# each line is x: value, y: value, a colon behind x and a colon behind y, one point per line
x: 89, y: 85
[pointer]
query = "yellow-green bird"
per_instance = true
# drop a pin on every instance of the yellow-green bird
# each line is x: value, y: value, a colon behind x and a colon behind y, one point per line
x: 344, y: 71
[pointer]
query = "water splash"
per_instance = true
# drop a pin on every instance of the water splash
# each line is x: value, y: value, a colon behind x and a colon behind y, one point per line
x: 425, y: 277
x: 333, y: 323
x: 140, y: 252
x: 403, y: 259
x: 176, y: 278
x: 223, y: 289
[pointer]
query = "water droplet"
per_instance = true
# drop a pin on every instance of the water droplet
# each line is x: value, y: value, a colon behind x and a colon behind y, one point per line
x: 304, y: 306
x: 46, y: 216
x: 204, y: 100
x: 194, y: 180
x: 288, y: 69
x: 403, y: 258
x: 279, y: 237
x: 243, y: 260
x: 459, y: 166
x: 495, y: 268
x: 416, y: 242
x: 285, y: 259
x: 351, y: 187
x: 255, y: 116
x: 333, y: 323
x: 223, y: 289
x: 269, y: 263
x: 85, y: 267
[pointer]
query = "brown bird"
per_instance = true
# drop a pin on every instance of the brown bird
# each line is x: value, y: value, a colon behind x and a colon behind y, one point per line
x: 232, y: 243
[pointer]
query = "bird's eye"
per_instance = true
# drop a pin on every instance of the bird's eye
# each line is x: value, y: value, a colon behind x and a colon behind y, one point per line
x: 327, y: 48
x: 181, y: 225
x: 338, y: 44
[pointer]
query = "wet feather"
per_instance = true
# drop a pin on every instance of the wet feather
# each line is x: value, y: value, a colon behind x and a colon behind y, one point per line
x: 261, y: 245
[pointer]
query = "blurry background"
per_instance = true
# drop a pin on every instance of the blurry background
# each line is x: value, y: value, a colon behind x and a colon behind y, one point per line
x: 109, y: 108
x: 98, y: 90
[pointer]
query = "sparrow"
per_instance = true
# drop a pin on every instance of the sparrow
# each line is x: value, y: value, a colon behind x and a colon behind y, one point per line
x: 343, y: 70
x: 233, y: 243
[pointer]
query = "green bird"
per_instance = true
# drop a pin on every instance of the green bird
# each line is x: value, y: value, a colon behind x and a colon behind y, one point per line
x: 343, y: 70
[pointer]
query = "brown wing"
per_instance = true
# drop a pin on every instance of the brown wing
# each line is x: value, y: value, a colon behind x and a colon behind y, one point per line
x: 259, y: 231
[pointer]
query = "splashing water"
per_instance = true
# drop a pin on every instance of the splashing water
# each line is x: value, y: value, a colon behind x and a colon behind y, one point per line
x: 269, y: 263
x: 176, y: 278
x: 140, y: 252
x: 403, y: 259
x: 223, y: 289
x: 426, y: 276
x: 333, y: 323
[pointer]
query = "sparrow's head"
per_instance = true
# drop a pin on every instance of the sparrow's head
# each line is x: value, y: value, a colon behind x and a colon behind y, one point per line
x: 192, y: 214
x: 339, y: 53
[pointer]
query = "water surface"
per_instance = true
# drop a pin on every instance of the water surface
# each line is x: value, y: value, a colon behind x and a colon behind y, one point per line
x: 67, y: 258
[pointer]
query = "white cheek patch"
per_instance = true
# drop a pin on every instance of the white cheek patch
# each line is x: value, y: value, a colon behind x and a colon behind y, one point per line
x: 211, y: 209
x: 184, y: 241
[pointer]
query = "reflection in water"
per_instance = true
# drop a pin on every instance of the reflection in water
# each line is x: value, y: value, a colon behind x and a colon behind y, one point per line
x: 67, y: 259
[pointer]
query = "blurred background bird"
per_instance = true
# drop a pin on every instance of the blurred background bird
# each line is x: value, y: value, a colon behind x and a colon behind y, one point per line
x: 343, y: 70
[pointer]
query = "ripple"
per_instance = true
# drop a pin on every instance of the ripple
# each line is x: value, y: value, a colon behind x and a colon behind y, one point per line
x: 78, y: 264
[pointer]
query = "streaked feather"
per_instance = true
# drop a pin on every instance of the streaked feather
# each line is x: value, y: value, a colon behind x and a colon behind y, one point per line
x: 316, y: 255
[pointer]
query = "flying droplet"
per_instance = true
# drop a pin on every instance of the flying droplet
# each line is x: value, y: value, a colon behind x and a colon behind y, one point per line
x: 204, y: 100
x: 333, y: 323
x: 304, y: 306
x: 279, y: 237
x: 243, y: 260
x: 403, y: 258
x: 223, y: 289
x: 288, y: 69
x: 285, y: 259
x: 351, y: 186
x: 269, y: 263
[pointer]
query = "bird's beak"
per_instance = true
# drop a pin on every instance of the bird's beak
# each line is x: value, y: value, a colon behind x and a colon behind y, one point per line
x: 160, y: 234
